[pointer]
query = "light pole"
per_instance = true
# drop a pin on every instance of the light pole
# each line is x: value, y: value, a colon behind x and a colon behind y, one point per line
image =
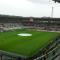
x: 52, y: 12
x: 52, y: 9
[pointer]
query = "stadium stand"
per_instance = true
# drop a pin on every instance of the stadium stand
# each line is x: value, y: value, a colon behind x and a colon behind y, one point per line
x: 51, y: 24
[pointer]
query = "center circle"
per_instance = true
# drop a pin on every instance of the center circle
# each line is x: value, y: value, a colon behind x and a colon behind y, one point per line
x: 24, y: 34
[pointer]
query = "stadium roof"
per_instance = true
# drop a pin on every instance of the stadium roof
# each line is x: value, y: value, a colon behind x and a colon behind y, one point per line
x: 57, y: 1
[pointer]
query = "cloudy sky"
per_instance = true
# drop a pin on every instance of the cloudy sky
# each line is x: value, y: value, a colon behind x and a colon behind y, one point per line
x: 32, y: 8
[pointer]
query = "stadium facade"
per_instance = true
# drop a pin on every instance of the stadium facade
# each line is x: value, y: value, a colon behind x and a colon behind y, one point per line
x: 50, y: 52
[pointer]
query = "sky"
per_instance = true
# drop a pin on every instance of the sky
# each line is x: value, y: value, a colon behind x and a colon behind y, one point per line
x: 30, y: 8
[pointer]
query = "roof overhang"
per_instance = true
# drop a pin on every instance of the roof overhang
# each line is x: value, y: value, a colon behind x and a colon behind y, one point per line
x: 57, y: 1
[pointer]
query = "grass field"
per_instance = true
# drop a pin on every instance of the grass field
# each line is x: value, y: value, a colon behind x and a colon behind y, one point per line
x: 26, y: 46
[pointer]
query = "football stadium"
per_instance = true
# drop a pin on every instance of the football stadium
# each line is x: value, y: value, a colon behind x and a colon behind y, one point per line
x: 29, y: 38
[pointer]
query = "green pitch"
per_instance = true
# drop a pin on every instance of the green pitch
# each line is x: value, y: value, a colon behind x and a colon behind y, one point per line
x: 26, y: 46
